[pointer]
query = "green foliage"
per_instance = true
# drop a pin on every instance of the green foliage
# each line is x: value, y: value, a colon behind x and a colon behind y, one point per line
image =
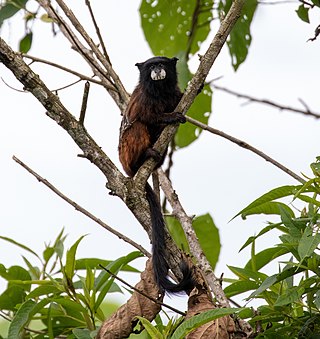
x: 9, y: 8
x: 240, y: 38
x: 172, y: 27
x: 178, y: 329
x: 207, y: 234
x: 290, y: 298
x: 67, y: 302
x: 25, y: 43
x: 201, y: 319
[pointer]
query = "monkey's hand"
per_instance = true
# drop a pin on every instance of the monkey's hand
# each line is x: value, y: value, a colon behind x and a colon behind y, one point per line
x: 200, y: 88
x: 172, y: 118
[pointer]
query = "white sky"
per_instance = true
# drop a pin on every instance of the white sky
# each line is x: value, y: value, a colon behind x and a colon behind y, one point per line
x: 212, y: 175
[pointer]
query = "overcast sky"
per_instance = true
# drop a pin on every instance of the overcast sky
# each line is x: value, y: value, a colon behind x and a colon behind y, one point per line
x: 212, y: 175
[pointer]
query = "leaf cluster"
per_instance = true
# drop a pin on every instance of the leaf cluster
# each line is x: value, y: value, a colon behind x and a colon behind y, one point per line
x: 290, y: 297
x: 61, y: 296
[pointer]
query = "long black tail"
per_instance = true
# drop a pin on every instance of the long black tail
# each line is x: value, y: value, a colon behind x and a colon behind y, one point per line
x: 160, y: 266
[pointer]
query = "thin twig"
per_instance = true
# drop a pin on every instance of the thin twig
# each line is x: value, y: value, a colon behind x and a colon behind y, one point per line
x: 56, y: 90
x: 15, y: 89
x: 142, y: 293
x: 98, y: 31
x: 81, y: 209
x: 268, y: 102
x: 84, y: 102
x: 87, y: 54
x: 110, y: 71
x: 245, y: 145
x: 47, y: 62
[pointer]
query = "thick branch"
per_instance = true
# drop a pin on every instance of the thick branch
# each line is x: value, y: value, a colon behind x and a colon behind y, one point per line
x: 56, y: 111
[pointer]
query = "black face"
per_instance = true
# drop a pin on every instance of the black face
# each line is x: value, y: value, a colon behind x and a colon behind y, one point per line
x: 158, y: 71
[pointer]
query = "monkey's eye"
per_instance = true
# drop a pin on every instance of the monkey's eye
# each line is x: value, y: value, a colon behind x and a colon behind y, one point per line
x: 160, y: 65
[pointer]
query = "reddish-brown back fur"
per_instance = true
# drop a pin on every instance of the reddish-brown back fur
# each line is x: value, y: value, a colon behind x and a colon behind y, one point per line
x: 134, y: 142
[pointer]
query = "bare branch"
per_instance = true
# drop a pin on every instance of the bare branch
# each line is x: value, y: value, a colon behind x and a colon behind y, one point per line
x: 269, y: 102
x: 81, y: 76
x: 77, y: 25
x: 88, y: 3
x: 195, y: 248
x: 56, y: 111
x: 86, y: 53
x: 84, y: 102
x: 81, y: 209
x: 245, y: 145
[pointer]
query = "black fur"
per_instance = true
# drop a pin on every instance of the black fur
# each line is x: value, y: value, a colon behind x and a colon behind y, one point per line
x: 149, y: 110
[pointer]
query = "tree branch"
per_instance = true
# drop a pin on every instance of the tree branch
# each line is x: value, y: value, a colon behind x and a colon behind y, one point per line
x: 118, y: 93
x: 81, y: 209
x: 195, y: 248
x: 245, y: 145
x: 270, y: 103
x: 81, y: 76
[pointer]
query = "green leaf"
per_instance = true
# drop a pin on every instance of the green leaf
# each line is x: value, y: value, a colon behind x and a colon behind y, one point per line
x: 274, y: 194
x: 94, y: 263
x: 239, y: 287
x: 152, y: 330
x: 45, y: 18
x: 309, y: 200
x: 303, y: 13
x: 81, y: 333
x: 104, y: 282
x: 70, y: 305
x: 247, y: 274
x: 48, y: 253
x: 196, y: 321
x: 289, y: 296
x: 19, y: 245
x: 266, y: 256
x: 20, y: 319
x: 33, y: 270
x: 10, y: 8
x: 240, y: 37
x: 167, y: 25
x: 263, y: 231
x: 11, y: 297
x: 43, y: 290
x: 292, y: 226
x: 269, y: 281
x: 199, y: 110
x: 308, y: 243
x: 25, y: 43
x: 177, y: 233
x: 70, y: 261
x: 208, y: 236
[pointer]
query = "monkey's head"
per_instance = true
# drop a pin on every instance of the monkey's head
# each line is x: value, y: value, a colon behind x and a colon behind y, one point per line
x: 158, y: 73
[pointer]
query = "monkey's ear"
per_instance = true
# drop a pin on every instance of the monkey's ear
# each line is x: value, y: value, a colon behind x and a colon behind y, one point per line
x: 139, y: 64
x: 174, y: 59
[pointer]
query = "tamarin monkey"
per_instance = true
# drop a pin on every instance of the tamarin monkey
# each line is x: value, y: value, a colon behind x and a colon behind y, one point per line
x: 148, y: 112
